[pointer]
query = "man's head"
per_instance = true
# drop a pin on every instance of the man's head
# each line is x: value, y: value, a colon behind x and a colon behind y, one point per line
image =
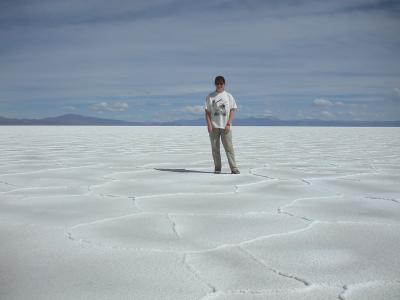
x: 219, y: 83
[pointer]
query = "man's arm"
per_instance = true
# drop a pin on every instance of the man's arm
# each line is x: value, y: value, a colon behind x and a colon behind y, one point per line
x: 208, y: 119
x: 231, y: 115
x: 228, y: 124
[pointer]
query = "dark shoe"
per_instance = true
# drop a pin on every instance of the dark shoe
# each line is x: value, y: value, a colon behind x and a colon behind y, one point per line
x: 235, y: 171
x: 217, y: 171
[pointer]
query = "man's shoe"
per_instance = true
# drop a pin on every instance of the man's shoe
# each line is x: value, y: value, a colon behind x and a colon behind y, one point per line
x: 235, y: 171
x: 217, y: 171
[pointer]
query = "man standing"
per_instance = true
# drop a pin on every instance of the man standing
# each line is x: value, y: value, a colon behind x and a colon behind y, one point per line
x: 219, y: 110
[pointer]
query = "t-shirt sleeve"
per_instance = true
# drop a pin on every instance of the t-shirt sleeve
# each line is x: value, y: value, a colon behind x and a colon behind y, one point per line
x: 232, y: 103
x: 207, y: 104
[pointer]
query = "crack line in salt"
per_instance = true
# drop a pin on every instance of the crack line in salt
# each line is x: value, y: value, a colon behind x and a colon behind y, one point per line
x: 197, y: 275
x: 109, y: 195
x: 278, y: 234
x: 106, y: 219
x: 268, y: 291
x: 262, y: 237
x: 180, y: 194
x: 341, y: 294
x: 281, y: 211
x: 52, y: 169
x: 383, y: 198
x: 5, y: 182
x: 259, y: 261
x: 41, y: 187
x: 173, y: 226
x: 250, y: 171
x: 133, y: 198
x: 70, y: 236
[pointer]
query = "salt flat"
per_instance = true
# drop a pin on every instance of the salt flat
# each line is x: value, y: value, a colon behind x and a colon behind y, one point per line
x: 136, y: 213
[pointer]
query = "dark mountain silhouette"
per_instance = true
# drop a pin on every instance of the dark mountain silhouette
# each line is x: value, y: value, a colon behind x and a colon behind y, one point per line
x: 68, y: 119
x: 75, y: 119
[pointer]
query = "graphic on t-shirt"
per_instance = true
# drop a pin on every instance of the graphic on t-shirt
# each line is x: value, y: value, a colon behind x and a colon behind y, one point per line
x: 219, y: 107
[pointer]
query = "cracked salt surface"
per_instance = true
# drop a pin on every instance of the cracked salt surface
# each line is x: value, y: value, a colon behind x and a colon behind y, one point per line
x: 123, y: 212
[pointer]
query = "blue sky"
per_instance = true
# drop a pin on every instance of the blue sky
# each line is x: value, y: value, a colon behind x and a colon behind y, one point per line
x: 156, y: 60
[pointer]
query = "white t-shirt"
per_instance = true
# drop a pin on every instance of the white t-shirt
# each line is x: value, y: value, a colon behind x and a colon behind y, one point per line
x: 219, y: 105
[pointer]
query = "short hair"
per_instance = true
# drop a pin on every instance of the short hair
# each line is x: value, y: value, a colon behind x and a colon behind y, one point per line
x: 219, y: 79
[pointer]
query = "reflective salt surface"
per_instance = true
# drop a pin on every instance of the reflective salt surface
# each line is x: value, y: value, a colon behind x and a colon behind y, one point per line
x: 136, y: 213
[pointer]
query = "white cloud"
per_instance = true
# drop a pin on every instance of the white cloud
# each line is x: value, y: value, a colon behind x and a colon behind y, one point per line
x: 300, y: 114
x: 322, y: 102
x: 195, y: 110
x: 268, y: 113
x: 327, y: 114
x: 69, y: 107
x: 339, y: 103
x: 397, y: 91
x: 107, y: 106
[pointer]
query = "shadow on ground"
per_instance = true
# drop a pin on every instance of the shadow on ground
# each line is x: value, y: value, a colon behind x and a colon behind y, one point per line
x: 185, y: 171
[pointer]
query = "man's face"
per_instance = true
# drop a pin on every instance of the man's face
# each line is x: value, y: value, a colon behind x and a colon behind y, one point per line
x: 219, y: 86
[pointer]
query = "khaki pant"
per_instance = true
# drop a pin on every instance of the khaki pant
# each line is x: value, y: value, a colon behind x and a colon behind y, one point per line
x: 216, y: 135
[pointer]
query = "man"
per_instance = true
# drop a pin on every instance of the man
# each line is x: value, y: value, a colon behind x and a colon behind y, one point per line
x: 219, y: 111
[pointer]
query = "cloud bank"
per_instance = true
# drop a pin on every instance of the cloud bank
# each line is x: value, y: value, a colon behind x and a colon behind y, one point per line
x: 157, y: 57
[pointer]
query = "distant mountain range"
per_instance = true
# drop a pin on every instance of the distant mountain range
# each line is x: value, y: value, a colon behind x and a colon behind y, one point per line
x: 74, y: 119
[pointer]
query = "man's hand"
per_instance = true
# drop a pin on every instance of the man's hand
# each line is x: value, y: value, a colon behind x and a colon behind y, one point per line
x: 208, y: 119
x: 209, y: 129
x: 227, y: 128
